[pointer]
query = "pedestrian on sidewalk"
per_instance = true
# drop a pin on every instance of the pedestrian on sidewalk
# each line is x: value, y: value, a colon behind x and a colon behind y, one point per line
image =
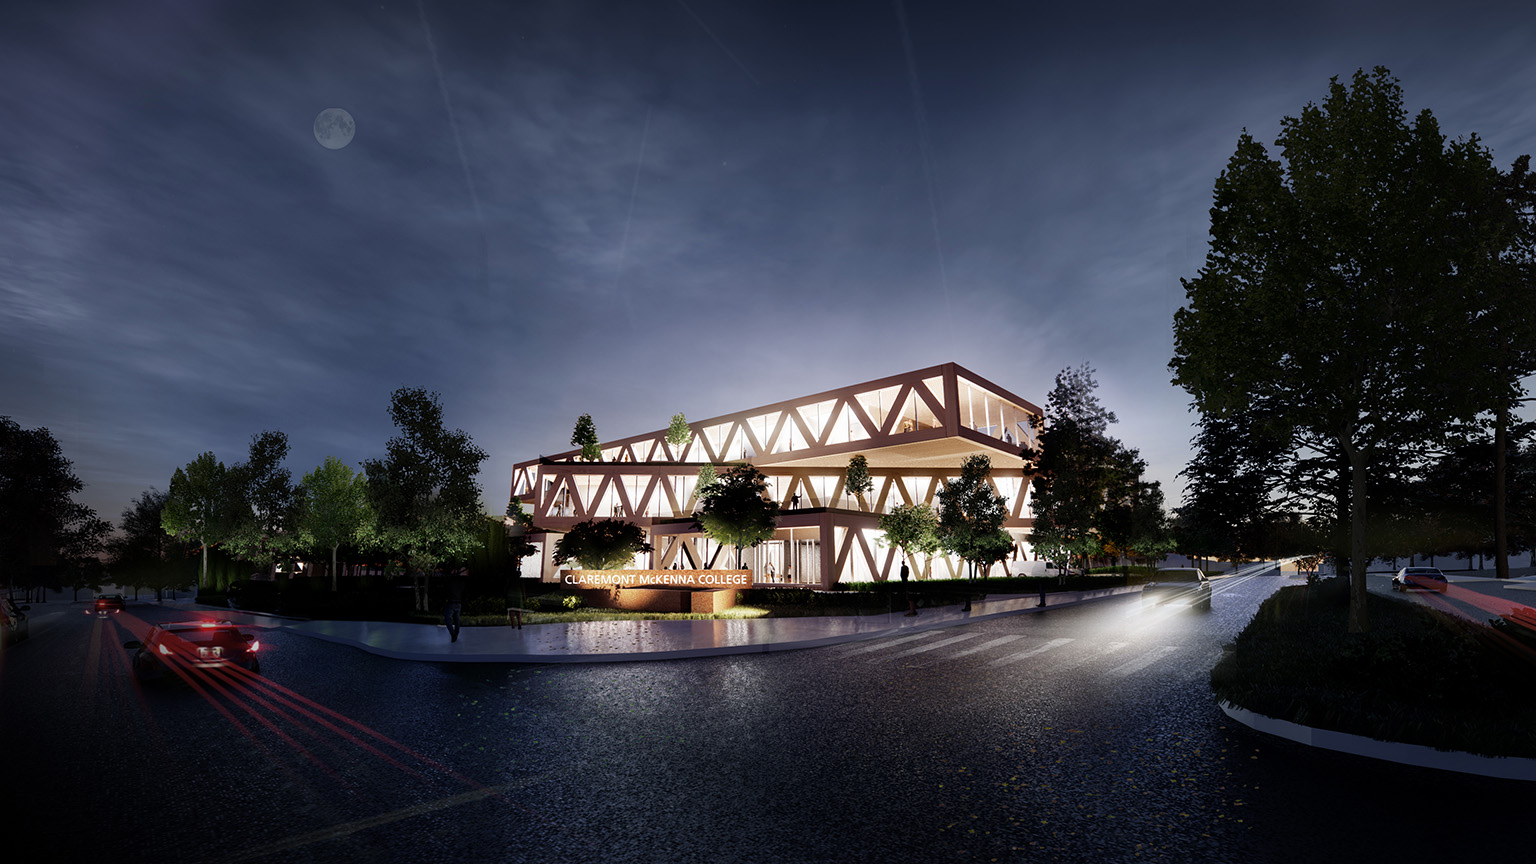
x: 907, y: 595
x: 455, y: 604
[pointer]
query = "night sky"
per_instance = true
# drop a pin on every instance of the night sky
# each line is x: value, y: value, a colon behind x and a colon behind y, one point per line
x: 636, y: 208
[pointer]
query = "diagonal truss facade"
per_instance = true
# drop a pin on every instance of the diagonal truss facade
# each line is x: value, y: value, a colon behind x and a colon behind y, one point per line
x: 914, y: 430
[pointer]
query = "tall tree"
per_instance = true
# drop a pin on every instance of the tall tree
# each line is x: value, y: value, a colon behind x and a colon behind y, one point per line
x: 143, y: 554
x: 585, y: 437
x: 44, y: 533
x: 1505, y: 335
x: 971, y: 515
x: 266, y: 504
x: 857, y: 480
x: 335, y: 508
x: 737, y: 510
x: 1133, y: 521
x: 1334, y: 281
x: 1073, y: 467
x: 424, y: 493
x: 200, y: 508
x: 1235, y: 476
x: 679, y: 433
x: 911, y: 528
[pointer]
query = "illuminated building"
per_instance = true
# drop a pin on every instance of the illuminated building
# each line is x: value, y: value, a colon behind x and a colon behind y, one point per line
x: 914, y: 429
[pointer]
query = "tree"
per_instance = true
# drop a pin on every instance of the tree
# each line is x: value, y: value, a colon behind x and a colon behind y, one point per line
x: 584, y: 436
x: 518, y: 523
x: 266, y: 503
x: 706, y: 481
x: 1505, y: 336
x: 679, y: 433
x: 603, y: 544
x: 335, y: 508
x: 423, y: 493
x: 44, y: 533
x: 737, y: 510
x: 857, y: 479
x: 1234, y: 475
x: 912, y: 528
x: 144, y: 555
x: 199, y: 507
x: 971, y: 514
x: 1334, y: 281
x: 1133, y: 521
x: 1073, y: 467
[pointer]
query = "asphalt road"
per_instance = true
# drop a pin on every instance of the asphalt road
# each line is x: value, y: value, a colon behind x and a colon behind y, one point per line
x: 1084, y: 734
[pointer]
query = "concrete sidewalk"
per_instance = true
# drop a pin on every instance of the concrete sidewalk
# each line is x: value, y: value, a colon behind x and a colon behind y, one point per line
x: 615, y: 641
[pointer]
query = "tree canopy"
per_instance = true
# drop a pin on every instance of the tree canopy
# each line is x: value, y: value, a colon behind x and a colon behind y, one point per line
x: 335, y: 508
x: 143, y: 554
x: 602, y: 544
x: 1132, y: 522
x: 737, y: 510
x: 679, y: 434
x: 44, y: 533
x: 856, y: 479
x: 706, y: 480
x: 584, y: 436
x: 199, y: 507
x: 971, y: 515
x: 424, y: 492
x: 1076, y: 462
x: 1234, y: 477
x: 912, y: 528
x: 1335, y: 280
x: 265, y: 502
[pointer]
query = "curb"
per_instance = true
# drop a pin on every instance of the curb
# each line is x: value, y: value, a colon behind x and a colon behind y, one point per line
x: 297, y: 626
x: 1419, y: 755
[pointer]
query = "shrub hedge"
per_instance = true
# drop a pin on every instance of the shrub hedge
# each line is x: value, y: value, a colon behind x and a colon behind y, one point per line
x: 1419, y: 676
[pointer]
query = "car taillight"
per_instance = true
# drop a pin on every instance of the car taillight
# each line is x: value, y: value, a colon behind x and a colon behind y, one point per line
x: 255, y: 643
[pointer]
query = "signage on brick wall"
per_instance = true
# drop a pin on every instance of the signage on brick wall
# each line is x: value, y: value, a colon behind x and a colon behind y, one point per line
x: 657, y: 578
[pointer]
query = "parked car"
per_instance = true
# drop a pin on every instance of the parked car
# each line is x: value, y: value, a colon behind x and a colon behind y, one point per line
x: 13, y: 621
x: 108, y: 603
x: 1428, y: 578
x: 1178, y: 586
x: 195, y: 646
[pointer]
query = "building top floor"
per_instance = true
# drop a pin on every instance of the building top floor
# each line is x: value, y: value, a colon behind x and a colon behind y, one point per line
x: 930, y: 417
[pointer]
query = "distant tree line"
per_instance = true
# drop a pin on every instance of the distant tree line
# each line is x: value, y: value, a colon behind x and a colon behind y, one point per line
x: 417, y: 507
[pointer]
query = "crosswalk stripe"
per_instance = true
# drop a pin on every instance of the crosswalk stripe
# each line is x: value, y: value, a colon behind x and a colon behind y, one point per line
x: 1078, y: 660
x: 990, y: 643
x: 1038, y: 649
x: 887, y: 643
x: 1143, y: 661
x: 929, y: 647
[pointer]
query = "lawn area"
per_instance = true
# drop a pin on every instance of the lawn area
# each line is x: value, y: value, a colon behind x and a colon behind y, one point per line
x: 1419, y: 677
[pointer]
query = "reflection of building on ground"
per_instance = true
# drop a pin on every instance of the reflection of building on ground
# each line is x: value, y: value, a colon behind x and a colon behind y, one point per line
x: 915, y: 430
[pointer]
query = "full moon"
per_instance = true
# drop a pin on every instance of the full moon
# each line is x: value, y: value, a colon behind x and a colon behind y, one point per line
x: 334, y: 128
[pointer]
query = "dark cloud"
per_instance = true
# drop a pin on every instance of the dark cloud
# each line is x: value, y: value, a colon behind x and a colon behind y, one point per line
x: 633, y: 208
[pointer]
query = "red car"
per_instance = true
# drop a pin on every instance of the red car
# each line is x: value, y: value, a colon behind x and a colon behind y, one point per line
x: 193, y: 646
x: 106, y: 603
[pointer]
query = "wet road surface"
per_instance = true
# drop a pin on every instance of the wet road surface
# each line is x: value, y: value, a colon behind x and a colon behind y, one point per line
x: 1085, y: 734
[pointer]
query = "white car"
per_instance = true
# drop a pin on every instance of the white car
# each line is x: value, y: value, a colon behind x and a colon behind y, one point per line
x: 1179, y: 586
x: 1428, y: 578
